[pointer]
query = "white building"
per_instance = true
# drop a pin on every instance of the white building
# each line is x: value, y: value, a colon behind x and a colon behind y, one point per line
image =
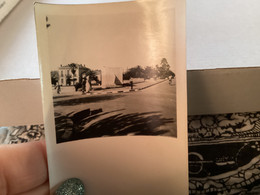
x: 66, y: 76
x: 109, y: 76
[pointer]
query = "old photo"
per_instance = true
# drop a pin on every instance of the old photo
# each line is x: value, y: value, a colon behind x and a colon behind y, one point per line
x: 113, y: 75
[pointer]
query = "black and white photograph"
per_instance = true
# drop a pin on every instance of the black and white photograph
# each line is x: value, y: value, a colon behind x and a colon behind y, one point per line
x: 113, y: 74
x: 113, y: 78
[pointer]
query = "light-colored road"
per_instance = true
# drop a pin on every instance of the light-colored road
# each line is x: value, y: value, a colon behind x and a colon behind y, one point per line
x: 151, y: 111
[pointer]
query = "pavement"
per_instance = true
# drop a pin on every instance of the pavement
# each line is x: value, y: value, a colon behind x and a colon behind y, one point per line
x: 70, y: 90
x: 151, y: 110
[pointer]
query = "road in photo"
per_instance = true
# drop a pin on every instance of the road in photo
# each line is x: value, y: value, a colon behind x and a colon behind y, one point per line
x: 149, y: 108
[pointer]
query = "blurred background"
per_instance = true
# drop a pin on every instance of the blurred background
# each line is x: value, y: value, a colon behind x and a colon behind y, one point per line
x: 219, y: 34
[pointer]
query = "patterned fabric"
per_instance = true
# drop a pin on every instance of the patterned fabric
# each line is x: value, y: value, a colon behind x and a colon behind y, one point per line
x: 21, y: 134
x: 224, y: 153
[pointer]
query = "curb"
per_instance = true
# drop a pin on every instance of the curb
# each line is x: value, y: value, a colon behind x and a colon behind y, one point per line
x: 124, y: 91
x: 121, y: 91
x: 152, y: 85
x: 113, y: 92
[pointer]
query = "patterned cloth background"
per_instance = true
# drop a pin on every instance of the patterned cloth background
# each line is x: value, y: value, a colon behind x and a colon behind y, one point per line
x: 21, y: 134
x: 224, y: 153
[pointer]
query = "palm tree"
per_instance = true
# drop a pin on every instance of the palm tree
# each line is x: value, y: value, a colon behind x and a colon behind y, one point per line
x: 54, y: 77
x: 73, y: 68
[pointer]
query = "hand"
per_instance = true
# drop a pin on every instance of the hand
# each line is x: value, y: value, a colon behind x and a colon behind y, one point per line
x: 23, y: 169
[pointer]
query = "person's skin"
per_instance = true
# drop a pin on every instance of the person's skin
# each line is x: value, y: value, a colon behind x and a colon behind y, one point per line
x: 23, y: 169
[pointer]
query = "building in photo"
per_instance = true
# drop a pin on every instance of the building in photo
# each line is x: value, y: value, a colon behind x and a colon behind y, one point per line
x: 108, y: 76
x: 70, y: 74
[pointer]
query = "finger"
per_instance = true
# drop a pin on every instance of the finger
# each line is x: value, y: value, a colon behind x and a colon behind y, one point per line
x: 22, y: 167
x: 40, y: 190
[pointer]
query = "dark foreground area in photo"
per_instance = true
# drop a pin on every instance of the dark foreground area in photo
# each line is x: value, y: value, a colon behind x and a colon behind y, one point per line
x: 148, y: 123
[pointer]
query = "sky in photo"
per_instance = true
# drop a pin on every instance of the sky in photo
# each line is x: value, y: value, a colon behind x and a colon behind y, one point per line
x: 122, y: 35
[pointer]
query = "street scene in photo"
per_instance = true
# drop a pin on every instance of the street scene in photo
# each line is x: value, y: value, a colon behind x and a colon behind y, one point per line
x: 112, y: 102
x: 113, y: 73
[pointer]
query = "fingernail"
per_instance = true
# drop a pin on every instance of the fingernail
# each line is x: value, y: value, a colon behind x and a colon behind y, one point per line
x: 72, y: 186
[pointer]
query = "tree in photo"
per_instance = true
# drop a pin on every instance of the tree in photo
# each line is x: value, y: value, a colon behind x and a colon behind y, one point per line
x: 73, y: 69
x: 135, y: 72
x: 163, y: 71
x: 149, y: 72
x: 68, y: 79
x: 54, y: 77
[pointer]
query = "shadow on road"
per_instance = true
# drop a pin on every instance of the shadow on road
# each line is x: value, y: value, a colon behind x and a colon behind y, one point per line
x: 88, y: 99
x: 78, y: 125
x: 61, y: 96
